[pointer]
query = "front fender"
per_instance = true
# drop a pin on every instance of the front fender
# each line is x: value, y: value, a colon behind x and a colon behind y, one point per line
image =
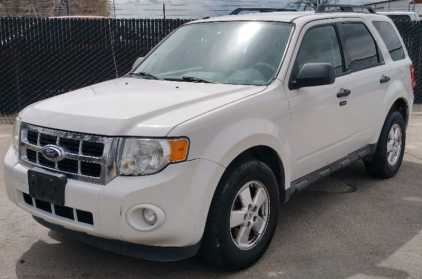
x: 259, y: 120
x: 238, y: 137
x: 221, y: 135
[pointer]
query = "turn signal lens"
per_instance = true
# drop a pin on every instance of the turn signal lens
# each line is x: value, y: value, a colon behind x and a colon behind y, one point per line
x: 178, y: 150
x: 412, y: 76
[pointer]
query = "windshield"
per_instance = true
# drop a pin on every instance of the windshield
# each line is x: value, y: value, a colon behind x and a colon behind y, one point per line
x: 246, y: 53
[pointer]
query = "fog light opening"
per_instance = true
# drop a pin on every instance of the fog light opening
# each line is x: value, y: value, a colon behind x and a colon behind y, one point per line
x: 150, y: 217
x: 145, y: 217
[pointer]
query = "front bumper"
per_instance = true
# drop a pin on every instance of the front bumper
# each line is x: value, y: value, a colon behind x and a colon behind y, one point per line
x: 125, y: 248
x: 183, y: 192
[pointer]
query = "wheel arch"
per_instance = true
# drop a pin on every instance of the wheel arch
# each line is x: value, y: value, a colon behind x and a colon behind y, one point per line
x: 401, y: 105
x: 270, y: 157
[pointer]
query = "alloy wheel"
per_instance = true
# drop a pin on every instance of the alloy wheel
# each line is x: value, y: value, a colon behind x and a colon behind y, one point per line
x: 394, y: 145
x: 249, y: 215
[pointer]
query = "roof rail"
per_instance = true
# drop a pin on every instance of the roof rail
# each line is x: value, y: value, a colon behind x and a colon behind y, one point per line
x: 262, y: 10
x: 342, y: 8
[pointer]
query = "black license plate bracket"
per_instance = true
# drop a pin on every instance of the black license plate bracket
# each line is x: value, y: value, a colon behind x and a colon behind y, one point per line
x: 47, y: 186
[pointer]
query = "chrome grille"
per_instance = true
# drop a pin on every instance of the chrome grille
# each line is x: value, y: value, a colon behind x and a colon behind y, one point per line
x: 87, y: 158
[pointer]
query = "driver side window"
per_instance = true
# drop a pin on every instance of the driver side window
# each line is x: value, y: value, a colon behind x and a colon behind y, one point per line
x: 320, y: 45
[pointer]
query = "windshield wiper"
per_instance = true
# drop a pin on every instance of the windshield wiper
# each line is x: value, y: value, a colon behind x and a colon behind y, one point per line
x: 145, y: 74
x: 196, y: 79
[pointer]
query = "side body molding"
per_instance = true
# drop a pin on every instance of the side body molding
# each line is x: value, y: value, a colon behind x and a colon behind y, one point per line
x: 303, y: 182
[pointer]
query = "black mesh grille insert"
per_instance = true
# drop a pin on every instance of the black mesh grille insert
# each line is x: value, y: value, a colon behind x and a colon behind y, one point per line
x: 63, y: 211
x: 85, y: 217
x: 31, y: 155
x: 47, y: 139
x: 27, y: 198
x: 44, y: 162
x: 43, y: 205
x: 70, y: 145
x: 92, y: 148
x: 68, y: 166
x: 91, y: 169
x: 32, y: 137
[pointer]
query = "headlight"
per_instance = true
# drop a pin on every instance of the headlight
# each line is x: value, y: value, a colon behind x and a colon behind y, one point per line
x: 149, y: 156
x: 16, y: 132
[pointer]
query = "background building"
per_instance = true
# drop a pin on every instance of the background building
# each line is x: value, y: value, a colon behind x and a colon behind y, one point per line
x: 398, y: 5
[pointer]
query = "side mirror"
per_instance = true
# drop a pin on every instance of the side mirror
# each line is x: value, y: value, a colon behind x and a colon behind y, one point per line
x: 137, y: 62
x: 313, y: 74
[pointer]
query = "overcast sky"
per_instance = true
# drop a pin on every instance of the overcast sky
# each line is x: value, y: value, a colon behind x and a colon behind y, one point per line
x: 195, y: 8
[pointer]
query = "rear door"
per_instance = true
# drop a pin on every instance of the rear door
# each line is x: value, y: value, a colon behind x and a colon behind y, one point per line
x: 369, y: 80
x: 397, y: 57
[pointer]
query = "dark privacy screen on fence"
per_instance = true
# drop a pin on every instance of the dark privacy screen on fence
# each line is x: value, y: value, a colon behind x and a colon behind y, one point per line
x: 411, y: 32
x: 41, y: 58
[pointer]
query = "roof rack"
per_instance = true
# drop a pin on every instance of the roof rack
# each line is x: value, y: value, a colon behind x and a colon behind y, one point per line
x: 262, y: 10
x: 342, y: 8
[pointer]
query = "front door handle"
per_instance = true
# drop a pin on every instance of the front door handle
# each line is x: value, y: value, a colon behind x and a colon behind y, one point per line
x: 343, y: 93
x: 384, y: 79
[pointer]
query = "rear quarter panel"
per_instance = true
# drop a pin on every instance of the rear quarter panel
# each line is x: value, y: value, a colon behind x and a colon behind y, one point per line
x: 400, y: 83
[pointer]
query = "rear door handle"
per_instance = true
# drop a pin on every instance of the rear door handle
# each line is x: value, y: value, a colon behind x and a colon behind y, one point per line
x: 343, y: 93
x: 384, y: 79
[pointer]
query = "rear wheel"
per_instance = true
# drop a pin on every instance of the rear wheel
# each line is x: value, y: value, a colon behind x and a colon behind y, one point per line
x: 389, y: 154
x: 242, y: 217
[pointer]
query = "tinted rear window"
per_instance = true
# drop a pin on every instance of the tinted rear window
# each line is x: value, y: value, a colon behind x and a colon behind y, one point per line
x: 391, y: 39
x: 361, y: 46
x: 400, y: 17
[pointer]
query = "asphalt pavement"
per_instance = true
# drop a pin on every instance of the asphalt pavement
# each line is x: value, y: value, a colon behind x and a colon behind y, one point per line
x: 349, y: 225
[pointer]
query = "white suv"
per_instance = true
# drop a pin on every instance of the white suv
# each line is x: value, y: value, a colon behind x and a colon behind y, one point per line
x: 195, y: 150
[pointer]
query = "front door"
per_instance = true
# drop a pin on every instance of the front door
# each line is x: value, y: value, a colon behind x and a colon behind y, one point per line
x: 320, y: 124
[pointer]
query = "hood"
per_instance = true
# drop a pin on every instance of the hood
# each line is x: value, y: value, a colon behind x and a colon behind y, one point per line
x: 132, y: 106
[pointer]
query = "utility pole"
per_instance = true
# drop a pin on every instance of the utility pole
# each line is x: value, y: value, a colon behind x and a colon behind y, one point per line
x: 114, y: 7
x: 164, y: 11
x: 67, y: 7
x: 7, y: 10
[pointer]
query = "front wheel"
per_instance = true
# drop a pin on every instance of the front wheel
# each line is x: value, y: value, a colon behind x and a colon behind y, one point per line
x: 242, y: 217
x: 388, y: 156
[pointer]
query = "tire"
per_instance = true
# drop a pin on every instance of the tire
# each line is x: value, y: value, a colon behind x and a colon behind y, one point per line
x: 222, y: 245
x: 388, y: 157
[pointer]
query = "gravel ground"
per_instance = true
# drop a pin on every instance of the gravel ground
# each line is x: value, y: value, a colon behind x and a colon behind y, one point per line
x: 347, y: 226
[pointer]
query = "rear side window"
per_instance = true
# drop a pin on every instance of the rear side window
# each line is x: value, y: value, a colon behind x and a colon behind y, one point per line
x: 320, y: 45
x: 361, y: 46
x: 391, y: 39
x: 400, y: 17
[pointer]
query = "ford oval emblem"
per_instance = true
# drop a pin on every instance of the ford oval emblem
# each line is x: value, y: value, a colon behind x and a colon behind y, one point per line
x: 53, y: 152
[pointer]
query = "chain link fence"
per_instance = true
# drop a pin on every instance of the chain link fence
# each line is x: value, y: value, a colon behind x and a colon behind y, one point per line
x: 42, y: 58
x: 411, y: 32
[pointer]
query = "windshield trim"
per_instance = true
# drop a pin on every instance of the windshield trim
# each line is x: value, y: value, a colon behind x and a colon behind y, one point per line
x: 276, y: 73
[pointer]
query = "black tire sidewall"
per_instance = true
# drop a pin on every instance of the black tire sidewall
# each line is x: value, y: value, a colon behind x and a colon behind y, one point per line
x: 233, y: 257
x: 380, y: 156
